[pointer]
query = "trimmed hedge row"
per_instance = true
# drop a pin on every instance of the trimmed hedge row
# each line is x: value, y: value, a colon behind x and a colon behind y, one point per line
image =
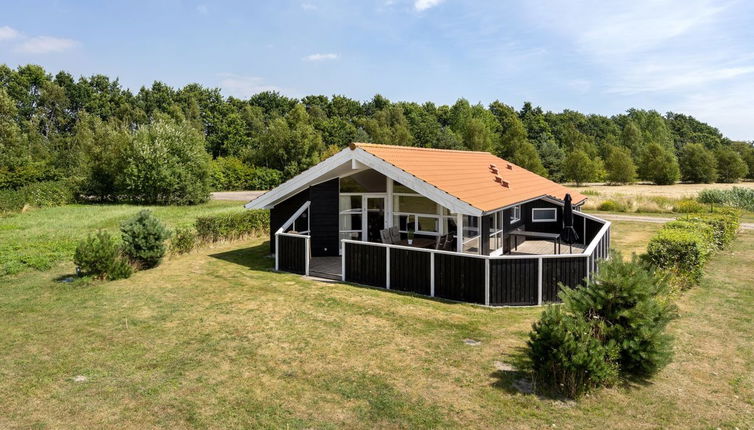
x: 682, y: 247
x: 39, y: 194
x: 232, y: 226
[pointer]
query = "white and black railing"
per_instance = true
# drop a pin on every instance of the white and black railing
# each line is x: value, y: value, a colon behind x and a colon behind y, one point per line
x: 487, y: 280
x: 293, y: 247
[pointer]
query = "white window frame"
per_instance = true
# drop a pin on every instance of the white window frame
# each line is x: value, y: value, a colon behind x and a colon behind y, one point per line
x: 553, y: 210
x: 515, y: 214
x: 496, y: 225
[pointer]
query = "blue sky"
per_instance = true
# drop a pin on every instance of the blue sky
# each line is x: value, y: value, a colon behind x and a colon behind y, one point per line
x: 691, y: 56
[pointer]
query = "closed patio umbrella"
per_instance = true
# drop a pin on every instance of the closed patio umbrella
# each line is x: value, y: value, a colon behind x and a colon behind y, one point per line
x: 568, y: 234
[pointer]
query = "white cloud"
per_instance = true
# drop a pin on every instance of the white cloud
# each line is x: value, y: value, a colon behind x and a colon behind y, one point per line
x: 243, y: 86
x: 321, y: 57
x: 8, y: 33
x: 421, y: 5
x: 45, y: 45
x: 202, y: 9
x: 308, y: 6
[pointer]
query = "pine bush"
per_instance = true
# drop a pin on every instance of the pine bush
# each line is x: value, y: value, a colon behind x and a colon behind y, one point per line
x: 144, y: 239
x: 99, y: 256
x: 567, y: 358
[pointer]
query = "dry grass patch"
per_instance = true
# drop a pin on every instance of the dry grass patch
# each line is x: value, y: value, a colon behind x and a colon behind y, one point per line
x: 215, y: 339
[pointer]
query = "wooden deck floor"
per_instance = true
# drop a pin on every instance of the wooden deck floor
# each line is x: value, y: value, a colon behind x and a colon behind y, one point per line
x: 325, y: 267
x: 538, y: 247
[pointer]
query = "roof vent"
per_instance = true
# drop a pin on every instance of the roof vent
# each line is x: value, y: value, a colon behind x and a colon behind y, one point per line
x: 505, y: 183
x: 498, y: 178
x: 493, y: 169
x: 509, y: 166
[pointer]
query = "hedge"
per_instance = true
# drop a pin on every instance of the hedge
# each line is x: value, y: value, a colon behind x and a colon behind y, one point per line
x: 724, y: 224
x: 40, y: 194
x: 232, y: 226
x: 680, y: 251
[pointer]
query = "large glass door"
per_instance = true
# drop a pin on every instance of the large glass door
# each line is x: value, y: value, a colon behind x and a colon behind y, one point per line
x: 375, y: 217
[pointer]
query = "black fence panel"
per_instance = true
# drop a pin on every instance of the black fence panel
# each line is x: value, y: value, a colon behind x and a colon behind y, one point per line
x: 568, y: 271
x: 365, y: 264
x: 410, y: 271
x: 458, y: 277
x: 514, y: 281
x: 592, y: 228
x: 292, y: 254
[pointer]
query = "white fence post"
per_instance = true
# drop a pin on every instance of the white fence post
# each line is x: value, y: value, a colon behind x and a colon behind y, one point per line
x: 343, y: 261
x: 387, y: 267
x: 487, y: 281
x: 307, y: 247
x: 539, y: 282
x: 277, y: 253
x: 431, y: 274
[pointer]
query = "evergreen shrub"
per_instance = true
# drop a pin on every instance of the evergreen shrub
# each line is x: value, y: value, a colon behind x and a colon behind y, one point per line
x: 144, y: 239
x: 99, y: 256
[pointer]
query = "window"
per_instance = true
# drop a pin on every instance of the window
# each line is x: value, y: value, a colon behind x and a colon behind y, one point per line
x: 515, y: 214
x: 544, y: 215
x: 496, y: 232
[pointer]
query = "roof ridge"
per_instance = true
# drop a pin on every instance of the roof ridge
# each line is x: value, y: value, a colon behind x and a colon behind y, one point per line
x: 354, y: 145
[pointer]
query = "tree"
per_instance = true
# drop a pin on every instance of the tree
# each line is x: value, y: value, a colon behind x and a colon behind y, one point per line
x: 730, y: 166
x: 746, y: 150
x: 166, y: 163
x: 579, y: 167
x: 513, y: 144
x: 659, y: 165
x: 631, y: 137
x: 698, y: 164
x: 620, y: 167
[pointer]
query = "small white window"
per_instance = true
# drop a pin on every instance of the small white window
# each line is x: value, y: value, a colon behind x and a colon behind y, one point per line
x: 544, y: 215
x: 516, y: 214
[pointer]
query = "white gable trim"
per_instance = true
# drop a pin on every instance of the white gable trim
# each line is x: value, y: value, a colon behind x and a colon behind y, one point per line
x: 299, y: 182
x: 358, y: 159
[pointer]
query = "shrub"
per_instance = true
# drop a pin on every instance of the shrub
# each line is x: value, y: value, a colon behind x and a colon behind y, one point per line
x: 567, y: 358
x: 230, y: 173
x: 724, y: 225
x: 98, y: 255
x: 627, y: 307
x: 144, y: 239
x: 183, y: 241
x: 611, y: 206
x: 705, y: 230
x: 688, y: 206
x: 40, y: 194
x: 681, y: 252
x: 232, y: 226
x: 166, y: 163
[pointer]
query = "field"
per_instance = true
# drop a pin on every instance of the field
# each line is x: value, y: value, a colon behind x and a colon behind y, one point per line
x: 215, y: 339
x: 40, y: 238
x: 677, y: 191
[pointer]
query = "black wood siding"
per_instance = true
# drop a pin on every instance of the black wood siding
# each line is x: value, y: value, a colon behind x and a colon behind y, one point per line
x: 324, y: 218
x: 514, y: 281
x: 410, y: 271
x: 546, y: 227
x: 292, y: 254
x: 569, y: 271
x: 283, y: 211
x: 460, y: 278
x: 365, y: 264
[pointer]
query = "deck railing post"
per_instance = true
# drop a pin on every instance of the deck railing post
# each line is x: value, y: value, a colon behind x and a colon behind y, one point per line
x: 343, y: 261
x: 277, y: 253
x: 306, y: 255
x: 539, y: 282
x: 487, y: 281
x: 387, y: 267
x: 432, y: 274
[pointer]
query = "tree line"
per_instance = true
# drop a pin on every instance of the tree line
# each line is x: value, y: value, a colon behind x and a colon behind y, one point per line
x: 102, y: 135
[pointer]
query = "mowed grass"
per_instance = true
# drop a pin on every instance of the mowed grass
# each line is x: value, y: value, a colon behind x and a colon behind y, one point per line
x: 632, y: 237
x: 40, y: 238
x: 214, y: 339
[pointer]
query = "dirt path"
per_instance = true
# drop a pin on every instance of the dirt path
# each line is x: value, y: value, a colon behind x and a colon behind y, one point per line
x: 245, y: 196
x: 653, y: 219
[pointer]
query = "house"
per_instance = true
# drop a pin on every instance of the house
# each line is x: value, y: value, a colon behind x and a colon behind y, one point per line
x: 459, y: 225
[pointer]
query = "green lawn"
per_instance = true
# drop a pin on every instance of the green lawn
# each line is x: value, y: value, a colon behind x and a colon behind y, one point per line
x: 40, y: 238
x: 215, y: 339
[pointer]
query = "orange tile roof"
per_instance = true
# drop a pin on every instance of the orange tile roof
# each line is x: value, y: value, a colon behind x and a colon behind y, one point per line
x: 467, y: 175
